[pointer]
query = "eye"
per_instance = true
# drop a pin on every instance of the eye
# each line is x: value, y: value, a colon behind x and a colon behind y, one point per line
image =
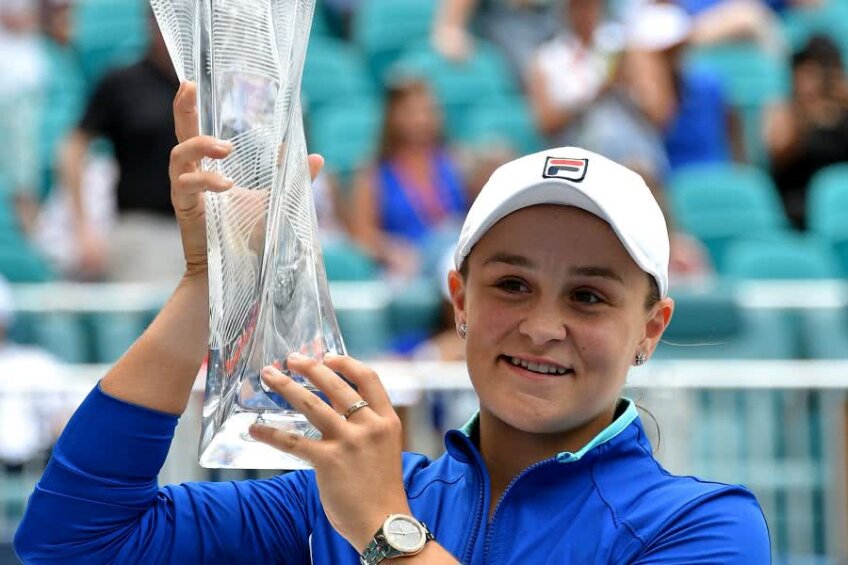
x: 512, y: 285
x: 587, y: 297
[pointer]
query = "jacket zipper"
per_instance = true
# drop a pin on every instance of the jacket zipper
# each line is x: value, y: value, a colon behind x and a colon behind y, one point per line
x: 503, y: 496
x: 475, y: 530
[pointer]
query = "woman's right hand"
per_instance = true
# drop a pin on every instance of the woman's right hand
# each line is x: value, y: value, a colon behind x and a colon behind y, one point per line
x: 189, y: 181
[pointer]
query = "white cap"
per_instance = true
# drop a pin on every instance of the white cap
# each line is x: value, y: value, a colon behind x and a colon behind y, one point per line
x: 656, y: 27
x: 571, y: 176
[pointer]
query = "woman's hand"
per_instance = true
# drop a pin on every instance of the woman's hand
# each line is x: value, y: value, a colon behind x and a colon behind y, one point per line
x: 358, y: 461
x: 189, y: 181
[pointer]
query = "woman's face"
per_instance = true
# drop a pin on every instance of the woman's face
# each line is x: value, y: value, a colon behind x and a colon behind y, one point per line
x: 416, y: 118
x: 555, y: 309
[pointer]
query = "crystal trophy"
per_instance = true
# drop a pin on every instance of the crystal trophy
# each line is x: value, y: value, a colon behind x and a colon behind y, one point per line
x: 268, y: 292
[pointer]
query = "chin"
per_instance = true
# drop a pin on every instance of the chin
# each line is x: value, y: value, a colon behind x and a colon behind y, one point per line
x: 539, y: 420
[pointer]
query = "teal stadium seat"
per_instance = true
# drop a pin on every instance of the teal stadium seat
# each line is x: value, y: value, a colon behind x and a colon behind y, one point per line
x: 459, y: 86
x: 109, y: 33
x: 821, y: 333
x: 113, y: 333
x: 827, y: 209
x: 720, y: 203
x: 802, y: 23
x: 708, y: 323
x: 346, y: 135
x: 788, y: 256
x: 505, y: 120
x: 334, y: 73
x: 415, y: 313
x: 384, y: 28
x: 752, y: 79
x: 365, y: 329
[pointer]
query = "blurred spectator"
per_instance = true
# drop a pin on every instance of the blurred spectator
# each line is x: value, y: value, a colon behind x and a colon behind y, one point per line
x: 810, y: 131
x: 581, y: 95
x: 412, y: 200
x: 31, y: 411
x: 517, y: 27
x: 22, y: 74
x: 132, y: 108
x: 686, y: 102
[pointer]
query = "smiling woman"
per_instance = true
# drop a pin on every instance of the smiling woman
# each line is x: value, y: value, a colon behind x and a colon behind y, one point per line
x: 560, y: 285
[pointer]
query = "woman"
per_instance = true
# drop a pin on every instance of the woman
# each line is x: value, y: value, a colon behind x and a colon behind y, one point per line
x: 404, y: 204
x: 554, y: 304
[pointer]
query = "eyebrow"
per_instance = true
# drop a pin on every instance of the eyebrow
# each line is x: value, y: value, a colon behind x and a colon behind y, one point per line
x: 593, y: 271
x: 579, y: 271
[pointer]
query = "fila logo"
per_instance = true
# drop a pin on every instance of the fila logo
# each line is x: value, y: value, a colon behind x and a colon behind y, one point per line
x: 565, y: 168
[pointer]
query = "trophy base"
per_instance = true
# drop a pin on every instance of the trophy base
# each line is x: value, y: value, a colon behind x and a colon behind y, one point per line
x: 233, y: 447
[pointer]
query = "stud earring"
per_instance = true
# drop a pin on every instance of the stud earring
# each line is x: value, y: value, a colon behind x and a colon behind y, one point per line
x: 640, y: 359
x: 462, y: 330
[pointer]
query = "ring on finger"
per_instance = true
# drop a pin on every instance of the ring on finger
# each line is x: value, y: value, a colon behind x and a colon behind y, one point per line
x: 354, y: 407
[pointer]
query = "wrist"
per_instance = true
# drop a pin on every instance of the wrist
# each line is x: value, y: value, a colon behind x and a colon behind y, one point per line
x: 363, y: 536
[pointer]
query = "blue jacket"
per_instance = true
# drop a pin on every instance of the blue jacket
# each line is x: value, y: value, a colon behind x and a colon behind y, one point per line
x: 611, y: 502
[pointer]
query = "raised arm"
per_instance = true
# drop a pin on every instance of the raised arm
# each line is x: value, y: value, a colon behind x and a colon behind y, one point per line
x: 159, y: 370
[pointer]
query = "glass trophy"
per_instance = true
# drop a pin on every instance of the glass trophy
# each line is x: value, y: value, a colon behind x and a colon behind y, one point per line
x: 268, y: 292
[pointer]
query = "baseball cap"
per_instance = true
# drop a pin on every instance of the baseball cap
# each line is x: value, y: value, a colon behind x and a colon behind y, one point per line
x: 571, y: 176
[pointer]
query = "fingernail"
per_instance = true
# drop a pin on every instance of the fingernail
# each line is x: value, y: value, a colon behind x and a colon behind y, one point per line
x: 258, y: 430
x: 223, y: 145
x: 297, y: 357
x: 227, y: 182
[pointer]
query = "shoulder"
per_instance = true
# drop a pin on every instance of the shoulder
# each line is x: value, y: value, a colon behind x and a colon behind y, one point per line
x: 681, y: 517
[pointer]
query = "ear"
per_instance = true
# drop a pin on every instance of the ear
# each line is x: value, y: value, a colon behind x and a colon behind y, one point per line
x: 456, y: 286
x: 655, y: 325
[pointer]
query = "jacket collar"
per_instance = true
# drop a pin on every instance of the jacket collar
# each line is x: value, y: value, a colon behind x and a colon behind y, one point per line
x: 460, y: 445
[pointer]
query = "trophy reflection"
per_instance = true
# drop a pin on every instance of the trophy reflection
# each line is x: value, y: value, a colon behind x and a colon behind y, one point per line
x: 268, y: 292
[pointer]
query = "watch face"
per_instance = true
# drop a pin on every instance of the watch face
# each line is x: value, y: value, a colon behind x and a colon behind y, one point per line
x: 404, y: 534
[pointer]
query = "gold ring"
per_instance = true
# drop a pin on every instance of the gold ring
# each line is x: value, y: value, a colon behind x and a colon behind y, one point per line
x: 354, y: 408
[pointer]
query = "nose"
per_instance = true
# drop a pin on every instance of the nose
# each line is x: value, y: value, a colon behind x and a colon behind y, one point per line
x: 543, y: 324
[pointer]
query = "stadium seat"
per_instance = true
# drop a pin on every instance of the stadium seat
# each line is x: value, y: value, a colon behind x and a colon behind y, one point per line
x: 334, y: 73
x: 719, y: 203
x: 458, y: 85
x: 346, y: 135
x: 828, y: 18
x: 20, y: 263
x: 787, y: 256
x: 503, y: 120
x: 109, y: 33
x: 383, y: 28
x: 60, y: 333
x: 752, y: 79
x: 344, y: 261
x: 827, y: 209
x: 709, y: 323
x: 414, y: 314
x: 113, y: 333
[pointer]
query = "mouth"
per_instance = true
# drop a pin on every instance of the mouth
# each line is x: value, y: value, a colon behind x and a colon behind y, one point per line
x: 546, y: 368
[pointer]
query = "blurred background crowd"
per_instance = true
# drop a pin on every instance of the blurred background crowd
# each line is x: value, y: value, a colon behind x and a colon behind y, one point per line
x: 734, y: 111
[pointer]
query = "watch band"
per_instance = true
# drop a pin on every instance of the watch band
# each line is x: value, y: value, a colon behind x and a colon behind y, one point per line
x: 379, y: 549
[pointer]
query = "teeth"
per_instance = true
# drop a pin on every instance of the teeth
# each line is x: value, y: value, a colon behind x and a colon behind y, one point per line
x: 538, y: 367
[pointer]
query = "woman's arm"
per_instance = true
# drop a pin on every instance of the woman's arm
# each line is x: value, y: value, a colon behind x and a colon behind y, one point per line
x: 159, y: 370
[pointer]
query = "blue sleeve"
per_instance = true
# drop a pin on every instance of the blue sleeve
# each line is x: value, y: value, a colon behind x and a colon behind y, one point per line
x: 99, y: 500
x: 723, y: 528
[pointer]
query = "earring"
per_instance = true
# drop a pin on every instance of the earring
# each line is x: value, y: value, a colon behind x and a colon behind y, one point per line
x: 640, y: 359
x: 462, y: 330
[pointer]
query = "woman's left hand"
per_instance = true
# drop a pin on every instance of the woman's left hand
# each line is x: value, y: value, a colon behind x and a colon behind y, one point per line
x: 358, y: 460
